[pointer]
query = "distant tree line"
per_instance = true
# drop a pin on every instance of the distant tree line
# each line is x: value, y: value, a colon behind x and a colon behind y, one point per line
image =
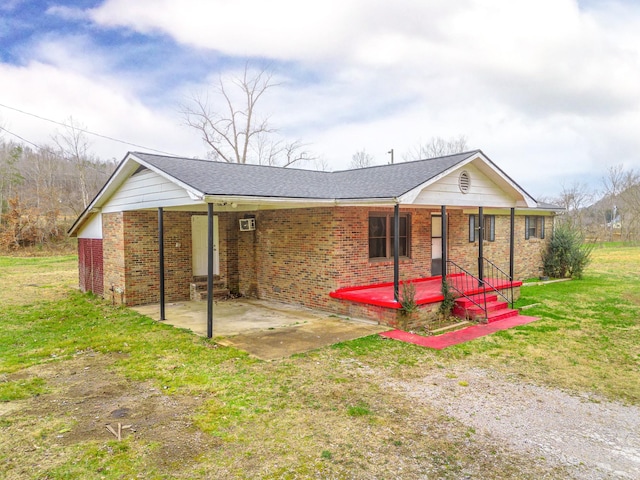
x: 611, y: 213
x: 43, y: 190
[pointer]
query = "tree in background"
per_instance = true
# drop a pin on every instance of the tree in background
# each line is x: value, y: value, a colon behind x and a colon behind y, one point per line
x: 361, y: 159
x: 622, y: 197
x: 575, y: 199
x: 43, y: 190
x: 228, y: 121
x: 437, y: 147
x: 10, y: 176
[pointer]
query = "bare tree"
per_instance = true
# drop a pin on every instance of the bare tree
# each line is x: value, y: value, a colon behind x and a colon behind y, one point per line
x: 321, y: 164
x: 437, y: 147
x: 613, y: 187
x: 10, y: 175
x: 74, y: 146
x: 630, y: 205
x: 229, y: 123
x: 361, y: 159
x: 575, y: 198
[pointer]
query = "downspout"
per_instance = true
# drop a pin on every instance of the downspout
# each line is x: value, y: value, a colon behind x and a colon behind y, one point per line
x: 396, y: 255
x: 209, y: 270
x: 161, y: 260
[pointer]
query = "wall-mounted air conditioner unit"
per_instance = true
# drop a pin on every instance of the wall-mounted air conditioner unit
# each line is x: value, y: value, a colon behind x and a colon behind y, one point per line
x: 247, y: 224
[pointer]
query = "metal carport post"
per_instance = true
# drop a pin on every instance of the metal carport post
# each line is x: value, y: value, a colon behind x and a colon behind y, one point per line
x: 209, y: 270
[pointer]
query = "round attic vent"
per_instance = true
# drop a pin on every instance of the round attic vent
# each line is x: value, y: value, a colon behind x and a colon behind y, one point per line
x: 464, y: 181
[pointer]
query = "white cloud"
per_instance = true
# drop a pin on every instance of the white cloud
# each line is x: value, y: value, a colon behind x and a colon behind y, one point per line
x: 548, y: 89
x: 56, y: 94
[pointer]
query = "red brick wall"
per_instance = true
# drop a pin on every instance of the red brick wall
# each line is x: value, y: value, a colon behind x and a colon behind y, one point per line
x: 295, y: 256
x: 292, y: 252
x: 299, y: 256
x: 527, y: 253
x: 131, y: 258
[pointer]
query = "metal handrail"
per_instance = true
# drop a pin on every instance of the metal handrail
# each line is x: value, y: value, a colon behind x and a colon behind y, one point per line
x: 505, y: 276
x: 469, y: 279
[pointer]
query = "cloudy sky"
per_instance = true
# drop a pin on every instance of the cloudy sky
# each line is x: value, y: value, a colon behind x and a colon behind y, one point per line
x: 548, y: 89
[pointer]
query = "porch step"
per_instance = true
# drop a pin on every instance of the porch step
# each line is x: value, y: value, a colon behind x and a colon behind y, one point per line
x: 496, y: 309
x: 198, y: 289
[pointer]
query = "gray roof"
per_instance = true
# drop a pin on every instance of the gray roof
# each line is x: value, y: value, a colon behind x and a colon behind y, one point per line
x: 383, y: 181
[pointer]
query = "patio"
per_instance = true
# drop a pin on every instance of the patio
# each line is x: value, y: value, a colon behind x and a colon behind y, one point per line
x: 266, y: 330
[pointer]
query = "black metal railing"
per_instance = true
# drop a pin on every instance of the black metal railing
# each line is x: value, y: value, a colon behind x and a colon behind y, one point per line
x: 462, y: 281
x: 494, y: 276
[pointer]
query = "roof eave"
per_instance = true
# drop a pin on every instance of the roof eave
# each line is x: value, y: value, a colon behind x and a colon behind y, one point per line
x: 129, y: 164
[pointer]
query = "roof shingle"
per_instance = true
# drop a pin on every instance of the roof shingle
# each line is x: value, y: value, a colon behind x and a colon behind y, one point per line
x: 383, y: 181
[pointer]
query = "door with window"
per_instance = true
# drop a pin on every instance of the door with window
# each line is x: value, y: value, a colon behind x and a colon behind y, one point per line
x: 199, y: 241
x: 436, y: 245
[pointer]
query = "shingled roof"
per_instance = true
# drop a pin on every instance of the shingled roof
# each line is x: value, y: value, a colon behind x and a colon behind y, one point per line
x: 383, y: 181
x: 386, y: 184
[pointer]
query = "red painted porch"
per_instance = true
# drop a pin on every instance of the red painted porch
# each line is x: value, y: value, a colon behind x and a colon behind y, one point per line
x: 428, y: 290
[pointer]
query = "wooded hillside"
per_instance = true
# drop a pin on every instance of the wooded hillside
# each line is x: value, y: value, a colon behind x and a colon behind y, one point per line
x: 43, y: 190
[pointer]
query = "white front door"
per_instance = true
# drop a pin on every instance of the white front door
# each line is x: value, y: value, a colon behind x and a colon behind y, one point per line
x: 199, y: 241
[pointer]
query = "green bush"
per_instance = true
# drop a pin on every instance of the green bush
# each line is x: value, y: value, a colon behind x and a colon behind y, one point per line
x: 408, y: 298
x: 566, y: 256
x: 448, y: 302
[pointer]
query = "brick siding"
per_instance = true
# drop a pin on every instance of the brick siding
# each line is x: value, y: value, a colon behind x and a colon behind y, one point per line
x: 295, y: 256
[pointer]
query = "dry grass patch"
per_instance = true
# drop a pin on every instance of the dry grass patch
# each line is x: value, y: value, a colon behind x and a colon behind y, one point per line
x: 28, y: 280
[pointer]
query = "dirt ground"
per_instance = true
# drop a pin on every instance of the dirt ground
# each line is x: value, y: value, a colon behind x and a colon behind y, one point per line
x: 87, y: 398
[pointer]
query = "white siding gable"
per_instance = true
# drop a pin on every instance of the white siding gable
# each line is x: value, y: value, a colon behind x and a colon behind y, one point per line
x: 147, y: 189
x: 92, y: 228
x: 482, y: 192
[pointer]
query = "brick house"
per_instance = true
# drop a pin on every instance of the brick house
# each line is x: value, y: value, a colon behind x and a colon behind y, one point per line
x: 296, y: 236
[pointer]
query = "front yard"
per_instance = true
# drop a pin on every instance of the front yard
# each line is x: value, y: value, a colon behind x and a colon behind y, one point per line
x: 71, y: 364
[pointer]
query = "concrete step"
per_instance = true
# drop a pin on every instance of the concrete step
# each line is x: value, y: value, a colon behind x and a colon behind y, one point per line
x: 198, y: 289
x: 202, y: 286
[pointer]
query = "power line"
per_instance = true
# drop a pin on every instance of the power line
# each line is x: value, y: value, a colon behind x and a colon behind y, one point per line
x: 88, y: 132
x: 21, y: 138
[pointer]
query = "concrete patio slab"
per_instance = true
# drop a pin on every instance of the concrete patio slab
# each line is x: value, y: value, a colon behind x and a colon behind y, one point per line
x: 266, y: 330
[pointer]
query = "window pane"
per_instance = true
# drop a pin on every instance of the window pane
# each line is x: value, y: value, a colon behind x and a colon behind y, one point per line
x: 377, y: 247
x: 377, y: 227
x: 403, y: 251
x: 436, y: 226
x: 377, y: 237
x: 473, y: 219
x: 488, y: 229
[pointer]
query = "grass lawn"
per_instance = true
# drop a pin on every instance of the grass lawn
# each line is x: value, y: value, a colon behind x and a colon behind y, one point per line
x: 71, y: 364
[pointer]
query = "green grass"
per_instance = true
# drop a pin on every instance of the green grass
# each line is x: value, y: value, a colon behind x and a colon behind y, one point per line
x: 322, y: 413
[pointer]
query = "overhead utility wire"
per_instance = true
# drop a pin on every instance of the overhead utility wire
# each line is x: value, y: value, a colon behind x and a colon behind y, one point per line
x: 21, y: 138
x: 82, y: 130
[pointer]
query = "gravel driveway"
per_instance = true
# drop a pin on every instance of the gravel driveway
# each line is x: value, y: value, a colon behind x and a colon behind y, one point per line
x: 593, y: 438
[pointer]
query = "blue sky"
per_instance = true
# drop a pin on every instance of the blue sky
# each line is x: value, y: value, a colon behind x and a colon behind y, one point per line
x: 549, y: 90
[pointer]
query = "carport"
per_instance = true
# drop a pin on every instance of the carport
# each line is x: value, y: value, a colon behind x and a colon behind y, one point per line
x: 264, y: 329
